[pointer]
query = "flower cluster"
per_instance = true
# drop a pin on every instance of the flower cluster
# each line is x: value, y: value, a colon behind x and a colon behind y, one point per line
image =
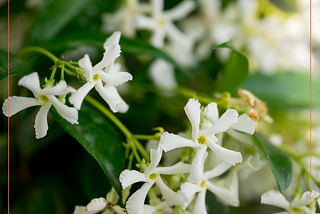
x: 104, y: 76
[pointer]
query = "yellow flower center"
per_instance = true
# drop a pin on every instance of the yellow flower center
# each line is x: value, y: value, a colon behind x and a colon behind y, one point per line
x: 161, y: 22
x: 44, y: 98
x: 201, y: 140
x: 96, y: 77
x: 152, y: 176
x: 203, y: 183
x: 295, y: 210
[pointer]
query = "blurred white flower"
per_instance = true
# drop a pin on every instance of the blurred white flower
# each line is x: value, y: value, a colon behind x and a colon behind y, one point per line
x: 44, y: 98
x: 161, y: 73
x: 204, y: 138
x: 135, y: 204
x: 161, y: 23
x: 275, y: 198
x: 112, y: 77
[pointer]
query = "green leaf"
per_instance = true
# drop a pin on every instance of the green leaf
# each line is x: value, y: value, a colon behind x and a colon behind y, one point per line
x: 235, y: 71
x: 54, y: 16
x: 17, y: 67
x: 279, y: 161
x: 285, y: 89
x: 98, y: 136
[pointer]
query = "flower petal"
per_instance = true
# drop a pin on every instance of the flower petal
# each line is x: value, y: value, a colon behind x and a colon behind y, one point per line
x: 59, y: 89
x: 275, y: 198
x: 135, y: 203
x: 180, y: 11
x: 175, y: 35
x: 162, y: 74
x: 197, y: 166
x: 109, y: 56
x: 157, y: 6
x: 86, y: 65
x: 224, y: 122
x: 252, y: 162
x: 242, y: 137
x: 147, y: 209
x: 144, y: 22
x: 82, y: 210
x: 223, y: 153
x: 155, y: 156
x: 31, y: 82
x: 115, y: 78
x: 17, y: 104
x: 200, y: 206
x: 305, y: 199
x: 244, y: 124
x: 157, y: 38
x: 222, y: 193
x: 169, y: 142
x: 129, y: 177
x: 172, y: 197
x: 96, y: 205
x: 113, y: 39
x: 193, y: 112
x: 68, y: 113
x: 189, y: 190
x: 175, y: 169
x: 211, y: 112
x: 221, y: 168
x: 109, y: 94
x: 41, y: 124
x: 77, y: 97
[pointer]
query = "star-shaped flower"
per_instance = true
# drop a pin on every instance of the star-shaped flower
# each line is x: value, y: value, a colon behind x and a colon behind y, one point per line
x: 202, y: 139
x: 111, y: 76
x: 135, y: 204
x: 44, y: 98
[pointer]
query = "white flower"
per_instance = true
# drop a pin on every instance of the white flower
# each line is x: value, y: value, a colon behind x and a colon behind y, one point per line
x: 201, y: 139
x: 124, y: 18
x: 135, y: 204
x: 95, y: 77
x: 161, y: 208
x: 44, y: 98
x: 162, y: 74
x: 275, y: 198
x: 161, y: 22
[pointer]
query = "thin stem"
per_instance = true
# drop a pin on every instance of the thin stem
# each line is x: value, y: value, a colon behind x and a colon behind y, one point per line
x: 39, y: 50
x: 141, y: 149
x: 53, y: 72
x: 134, y: 150
x: 62, y: 72
x: 146, y: 137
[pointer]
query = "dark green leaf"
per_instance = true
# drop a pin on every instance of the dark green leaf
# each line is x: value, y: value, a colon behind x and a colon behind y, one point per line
x: 54, y: 16
x: 279, y: 161
x: 17, y: 67
x: 235, y: 70
x: 96, y: 134
x: 284, y: 90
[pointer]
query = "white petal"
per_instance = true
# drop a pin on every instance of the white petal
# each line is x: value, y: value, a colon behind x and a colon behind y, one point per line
x: 68, y: 113
x: 252, y: 162
x: 175, y: 35
x: 224, y: 154
x: 157, y: 6
x: 222, y: 193
x: 17, y: 104
x: 221, y: 168
x: 109, y: 94
x: 77, y: 97
x: 147, y: 209
x: 169, y: 142
x: 244, y: 124
x: 193, y: 112
x: 196, y: 169
x: 144, y: 22
x: 59, y: 89
x: 135, y: 203
x: 275, y: 198
x: 85, y: 64
x: 225, y: 121
x: 41, y: 124
x: 115, y: 78
x: 82, y: 210
x: 31, y: 82
x: 305, y: 199
x: 129, y: 177
x: 181, y: 10
x: 211, y: 112
x: 175, y: 169
x: 113, y: 39
x: 122, y: 106
x: 117, y: 209
x: 109, y: 56
x: 96, y: 204
x: 172, y: 197
x: 157, y: 38
x: 200, y: 206
x: 162, y: 74
x: 155, y: 156
x: 234, y: 187
x: 242, y: 137
x: 189, y: 189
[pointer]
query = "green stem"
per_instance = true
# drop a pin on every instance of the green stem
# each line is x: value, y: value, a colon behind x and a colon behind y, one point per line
x: 39, y: 50
x: 53, y: 72
x: 62, y: 72
x: 141, y: 149
x: 146, y: 137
